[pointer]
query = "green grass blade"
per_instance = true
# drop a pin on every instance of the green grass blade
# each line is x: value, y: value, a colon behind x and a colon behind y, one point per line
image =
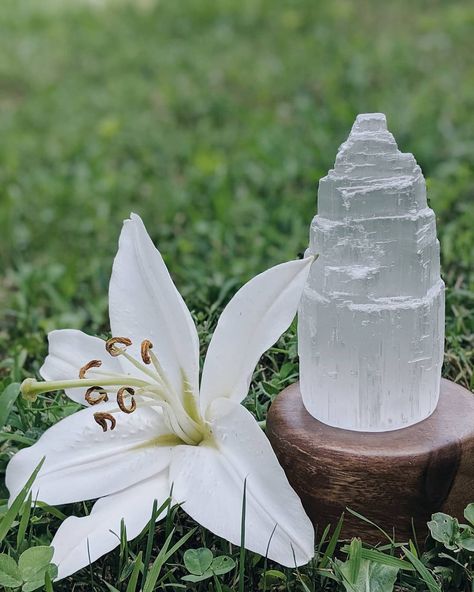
x: 155, y: 512
x: 7, y: 400
x: 423, y: 571
x: 180, y: 543
x: 322, y: 540
x: 154, y: 572
x: 91, y: 571
x: 170, y: 513
x: 149, y: 541
x: 123, y: 549
x: 383, y: 558
x: 161, y: 559
x: 15, y: 508
x: 326, y: 573
x: 24, y: 520
x: 51, y: 510
x: 133, y: 581
x: 364, y: 519
x: 9, y: 436
x: 301, y: 581
x: 265, y: 562
x: 355, y: 557
x: 332, y: 543
x: 217, y: 584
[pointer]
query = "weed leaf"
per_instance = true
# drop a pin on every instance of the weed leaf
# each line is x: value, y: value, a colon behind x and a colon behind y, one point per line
x: 10, y: 576
x: 198, y: 561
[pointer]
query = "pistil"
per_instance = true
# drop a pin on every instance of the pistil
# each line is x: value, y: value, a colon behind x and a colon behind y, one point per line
x: 30, y: 387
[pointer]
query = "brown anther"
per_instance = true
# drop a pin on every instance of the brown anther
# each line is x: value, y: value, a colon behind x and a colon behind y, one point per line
x: 121, y: 393
x: 113, y: 350
x: 102, y: 418
x: 88, y: 366
x: 101, y: 397
x: 146, y: 346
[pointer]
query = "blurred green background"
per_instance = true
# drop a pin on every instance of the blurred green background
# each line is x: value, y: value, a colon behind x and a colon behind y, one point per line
x: 214, y: 120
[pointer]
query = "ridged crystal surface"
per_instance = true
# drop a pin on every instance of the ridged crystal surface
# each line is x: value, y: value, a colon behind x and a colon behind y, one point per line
x: 371, y: 321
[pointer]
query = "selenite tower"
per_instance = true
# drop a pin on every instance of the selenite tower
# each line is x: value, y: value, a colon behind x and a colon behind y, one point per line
x: 371, y: 321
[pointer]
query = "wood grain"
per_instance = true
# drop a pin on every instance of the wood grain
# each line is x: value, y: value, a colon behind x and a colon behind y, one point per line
x: 391, y: 478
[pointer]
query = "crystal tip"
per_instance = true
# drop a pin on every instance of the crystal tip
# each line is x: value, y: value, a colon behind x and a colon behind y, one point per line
x: 369, y: 122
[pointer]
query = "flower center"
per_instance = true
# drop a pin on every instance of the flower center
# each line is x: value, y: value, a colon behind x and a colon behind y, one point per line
x: 152, y: 389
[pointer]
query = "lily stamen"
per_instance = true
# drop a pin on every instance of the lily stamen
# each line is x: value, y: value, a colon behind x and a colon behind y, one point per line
x: 115, y: 351
x: 145, y: 348
x: 102, y: 397
x: 121, y: 393
x: 102, y: 418
x: 111, y: 347
x: 88, y: 366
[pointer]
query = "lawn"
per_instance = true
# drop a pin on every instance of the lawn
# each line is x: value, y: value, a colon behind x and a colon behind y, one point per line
x: 214, y: 121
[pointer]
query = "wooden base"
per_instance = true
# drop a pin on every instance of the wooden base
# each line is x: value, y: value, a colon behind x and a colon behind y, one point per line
x: 391, y: 478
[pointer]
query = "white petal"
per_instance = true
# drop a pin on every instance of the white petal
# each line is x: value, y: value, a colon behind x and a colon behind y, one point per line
x: 69, y: 350
x: 252, y: 321
x: 82, y: 462
x: 80, y: 541
x: 209, y: 479
x: 145, y: 304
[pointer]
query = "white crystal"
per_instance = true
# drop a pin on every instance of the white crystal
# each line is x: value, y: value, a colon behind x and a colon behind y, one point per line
x: 371, y: 321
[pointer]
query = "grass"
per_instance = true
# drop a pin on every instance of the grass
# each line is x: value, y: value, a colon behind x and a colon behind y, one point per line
x: 214, y: 121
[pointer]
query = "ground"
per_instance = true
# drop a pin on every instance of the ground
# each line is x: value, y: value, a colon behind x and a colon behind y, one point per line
x: 214, y: 121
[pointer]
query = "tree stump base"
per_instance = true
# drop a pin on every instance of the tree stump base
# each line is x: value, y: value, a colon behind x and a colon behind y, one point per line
x: 395, y: 479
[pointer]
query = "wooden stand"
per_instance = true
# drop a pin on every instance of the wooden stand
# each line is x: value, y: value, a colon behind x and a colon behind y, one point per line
x: 392, y: 478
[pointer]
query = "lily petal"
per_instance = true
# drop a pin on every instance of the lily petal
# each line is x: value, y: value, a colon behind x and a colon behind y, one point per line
x: 251, y: 323
x: 82, y: 462
x: 80, y: 541
x: 145, y: 304
x: 69, y: 350
x: 209, y: 480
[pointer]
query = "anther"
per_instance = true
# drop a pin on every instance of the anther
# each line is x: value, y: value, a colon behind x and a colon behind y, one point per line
x: 102, y: 418
x: 146, y: 346
x: 88, y: 366
x: 121, y: 393
x: 101, y: 397
x: 113, y: 350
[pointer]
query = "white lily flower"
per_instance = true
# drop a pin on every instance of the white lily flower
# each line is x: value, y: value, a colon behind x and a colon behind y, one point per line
x: 159, y: 431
